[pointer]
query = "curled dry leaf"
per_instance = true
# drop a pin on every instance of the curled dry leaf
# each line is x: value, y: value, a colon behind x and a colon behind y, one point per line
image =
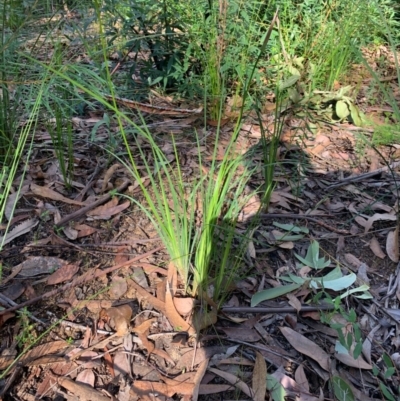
x: 119, y: 318
x: 18, y: 230
x: 392, y: 245
x: 306, y: 347
x: 107, y: 176
x: 173, y: 316
x: 378, y: 217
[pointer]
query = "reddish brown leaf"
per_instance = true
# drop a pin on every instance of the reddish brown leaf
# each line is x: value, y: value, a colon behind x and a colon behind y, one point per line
x: 64, y: 273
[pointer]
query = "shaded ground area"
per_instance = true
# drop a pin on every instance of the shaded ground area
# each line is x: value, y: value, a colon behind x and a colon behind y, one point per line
x: 95, y: 279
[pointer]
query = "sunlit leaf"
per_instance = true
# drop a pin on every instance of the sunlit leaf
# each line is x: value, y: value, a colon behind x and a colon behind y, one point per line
x: 342, y: 109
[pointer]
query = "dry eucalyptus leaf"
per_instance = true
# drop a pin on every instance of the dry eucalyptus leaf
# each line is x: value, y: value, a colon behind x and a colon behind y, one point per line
x: 64, y: 273
x: 392, y: 245
x: 18, y: 230
x: 37, y: 265
x: 49, y: 193
x: 259, y: 381
x: 379, y: 217
x: 233, y: 379
x: 306, y: 347
x: 86, y: 376
x: 376, y: 248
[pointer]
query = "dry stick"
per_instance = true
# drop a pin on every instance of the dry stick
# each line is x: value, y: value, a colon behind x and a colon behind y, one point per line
x: 82, y: 279
x: 85, y: 209
x: 361, y: 177
x: 284, y: 309
x: 305, y: 217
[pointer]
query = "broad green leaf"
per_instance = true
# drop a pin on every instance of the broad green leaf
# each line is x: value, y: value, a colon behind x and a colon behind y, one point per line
x: 276, y: 390
x: 342, y: 110
x: 291, y: 227
x: 355, y: 114
x: 335, y: 285
x: 296, y: 279
x: 357, y: 350
x: 312, y: 258
x: 387, y: 360
x: 288, y: 83
x: 341, y: 389
x: 362, y: 288
x: 333, y: 274
x: 272, y: 293
x: 386, y: 392
x: 389, y: 373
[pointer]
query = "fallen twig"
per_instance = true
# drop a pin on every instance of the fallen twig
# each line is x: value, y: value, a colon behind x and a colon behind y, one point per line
x: 87, y: 208
x: 284, y: 309
x: 305, y: 217
x: 360, y: 177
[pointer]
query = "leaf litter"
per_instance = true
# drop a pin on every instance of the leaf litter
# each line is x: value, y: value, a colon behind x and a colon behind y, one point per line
x: 120, y: 341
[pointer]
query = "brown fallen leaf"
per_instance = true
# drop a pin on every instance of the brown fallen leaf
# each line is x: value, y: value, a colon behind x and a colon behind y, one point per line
x: 106, y: 211
x: 64, y: 273
x: 22, y: 228
x: 50, y: 194
x: 349, y: 360
x: 38, y: 265
x: 198, y: 378
x: 118, y: 287
x: 86, y: 376
x: 147, y: 389
x: 206, y: 389
x: 233, y: 379
x: 306, y: 347
x: 119, y: 318
x: 392, y: 245
x: 84, y: 230
x: 156, y: 303
x: 379, y: 217
x: 195, y: 357
x: 173, y: 316
x: 242, y: 334
x: 54, y: 348
x: 259, y: 381
x: 301, y: 378
x: 107, y: 176
x: 83, y: 391
x: 376, y: 248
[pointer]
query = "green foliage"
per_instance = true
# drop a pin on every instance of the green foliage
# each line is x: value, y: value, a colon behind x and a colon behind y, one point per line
x: 334, y: 280
x: 157, y: 29
x: 341, y: 389
x: 326, y: 34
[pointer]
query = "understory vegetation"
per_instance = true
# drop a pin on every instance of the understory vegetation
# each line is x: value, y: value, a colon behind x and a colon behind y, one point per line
x: 216, y: 64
